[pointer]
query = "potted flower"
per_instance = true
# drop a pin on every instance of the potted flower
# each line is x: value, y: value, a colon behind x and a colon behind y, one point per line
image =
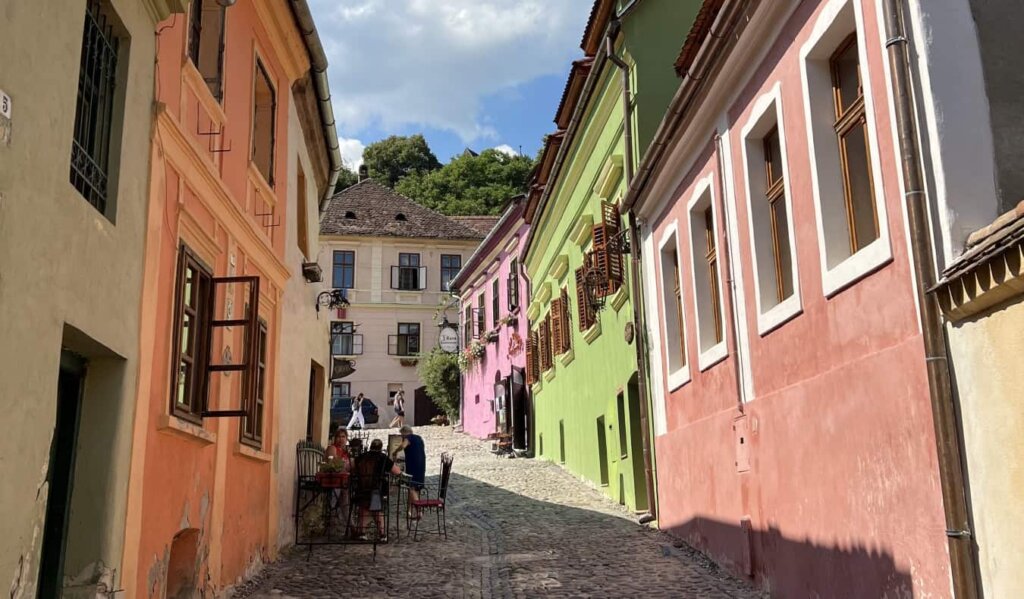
x: 491, y: 336
x: 509, y: 320
x: 471, y: 354
x: 333, y: 473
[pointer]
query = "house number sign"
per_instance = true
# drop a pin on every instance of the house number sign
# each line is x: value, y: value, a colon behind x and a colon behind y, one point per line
x: 5, y: 105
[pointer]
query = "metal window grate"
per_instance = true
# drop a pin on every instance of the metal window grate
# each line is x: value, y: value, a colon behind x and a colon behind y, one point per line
x: 97, y: 82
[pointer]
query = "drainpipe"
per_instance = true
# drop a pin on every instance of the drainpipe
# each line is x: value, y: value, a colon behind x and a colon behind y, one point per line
x: 639, y: 325
x: 951, y: 472
x: 731, y: 270
x: 528, y: 288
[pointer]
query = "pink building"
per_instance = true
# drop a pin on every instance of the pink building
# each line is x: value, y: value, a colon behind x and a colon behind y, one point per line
x: 495, y: 397
x: 793, y: 429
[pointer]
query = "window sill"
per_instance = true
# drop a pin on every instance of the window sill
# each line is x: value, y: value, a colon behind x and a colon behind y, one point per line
x: 779, y: 314
x: 869, y: 259
x: 250, y: 452
x: 591, y: 334
x: 567, y: 358
x: 173, y: 425
x: 549, y: 374
x: 619, y: 298
x: 713, y: 355
x: 678, y: 378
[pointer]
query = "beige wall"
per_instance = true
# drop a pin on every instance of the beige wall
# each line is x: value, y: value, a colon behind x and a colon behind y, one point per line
x: 71, y: 277
x: 303, y: 338
x: 986, y: 351
x: 377, y: 309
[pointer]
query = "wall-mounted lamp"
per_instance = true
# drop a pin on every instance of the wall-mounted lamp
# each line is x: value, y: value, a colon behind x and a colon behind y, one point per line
x: 333, y: 299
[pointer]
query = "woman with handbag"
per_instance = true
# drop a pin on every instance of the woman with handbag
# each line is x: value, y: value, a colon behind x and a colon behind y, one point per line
x: 399, y: 419
x: 357, y: 412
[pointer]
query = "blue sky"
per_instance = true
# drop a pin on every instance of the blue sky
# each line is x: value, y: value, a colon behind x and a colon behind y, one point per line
x: 465, y: 73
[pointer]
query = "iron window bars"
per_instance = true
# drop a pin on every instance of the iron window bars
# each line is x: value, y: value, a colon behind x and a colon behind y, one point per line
x: 94, y: 111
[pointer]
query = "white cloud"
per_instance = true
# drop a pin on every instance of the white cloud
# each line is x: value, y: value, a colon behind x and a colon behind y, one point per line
x: 430, y: 63
x: 351, y: 152
x: 506, y: 149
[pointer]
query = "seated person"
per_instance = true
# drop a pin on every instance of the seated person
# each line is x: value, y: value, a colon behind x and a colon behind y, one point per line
x: 338, y: 449
x: 415, y: 464
x: 371, y: 470
x: 355, y: 447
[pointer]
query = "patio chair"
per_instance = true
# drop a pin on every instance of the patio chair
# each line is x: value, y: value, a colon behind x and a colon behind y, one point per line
x: 308, y: 456
x: 435, y: 504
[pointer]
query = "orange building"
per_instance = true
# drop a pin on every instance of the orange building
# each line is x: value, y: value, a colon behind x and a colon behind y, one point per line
x: 230, y: 179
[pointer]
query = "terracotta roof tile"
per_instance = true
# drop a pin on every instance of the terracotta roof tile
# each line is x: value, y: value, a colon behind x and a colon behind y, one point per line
x: 483, y: 224
x: 987, y: 243
x: 371, y: 209
x: 698, y: 31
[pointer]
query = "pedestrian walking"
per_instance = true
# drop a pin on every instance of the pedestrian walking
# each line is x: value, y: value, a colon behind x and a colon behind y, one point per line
x: 357, y: 412
x: 399, y: 419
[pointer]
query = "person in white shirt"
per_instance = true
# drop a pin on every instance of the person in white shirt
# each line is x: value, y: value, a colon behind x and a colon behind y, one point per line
x: 399, y: 419
x: 357, y: 412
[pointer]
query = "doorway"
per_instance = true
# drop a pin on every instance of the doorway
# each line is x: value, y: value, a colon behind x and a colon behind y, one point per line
x: 635, y: 445
x: 60, y: 475
x: 602, y: 451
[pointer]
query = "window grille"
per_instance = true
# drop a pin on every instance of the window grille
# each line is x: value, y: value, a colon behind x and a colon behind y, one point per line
x: 94, y: 112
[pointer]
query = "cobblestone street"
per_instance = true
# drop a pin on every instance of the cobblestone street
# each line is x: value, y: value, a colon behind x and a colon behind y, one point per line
x: 516, y: 528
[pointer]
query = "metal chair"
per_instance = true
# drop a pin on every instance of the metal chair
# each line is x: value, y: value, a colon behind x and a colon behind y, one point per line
x: 436, y: 504
x: 367, y: 491
x: 308, y: 456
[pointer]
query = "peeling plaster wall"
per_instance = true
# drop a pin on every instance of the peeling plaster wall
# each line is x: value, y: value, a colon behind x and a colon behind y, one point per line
x: 63, y: 263
x: 986, y: 354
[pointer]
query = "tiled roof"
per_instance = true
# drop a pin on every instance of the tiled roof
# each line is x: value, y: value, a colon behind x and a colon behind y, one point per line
x: 371, y: 209
x: 698, y: 32
x: 600, y: 12
x: 483, y: 224
x: 988, y: 243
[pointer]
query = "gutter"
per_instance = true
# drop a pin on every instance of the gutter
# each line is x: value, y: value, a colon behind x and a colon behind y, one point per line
x: 318, y: 74
x: 949, y: 450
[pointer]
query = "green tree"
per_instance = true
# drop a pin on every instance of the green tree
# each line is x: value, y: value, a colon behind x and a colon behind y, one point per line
x: 439, y: 371
x: 469, y: 184
x: 347, y: 178
x: 392, y: 158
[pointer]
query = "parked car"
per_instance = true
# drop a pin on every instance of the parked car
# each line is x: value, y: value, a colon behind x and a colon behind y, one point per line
x: 341, y: 411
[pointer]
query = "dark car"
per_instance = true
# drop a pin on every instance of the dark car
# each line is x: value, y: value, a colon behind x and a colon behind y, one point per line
x: 341, y: 411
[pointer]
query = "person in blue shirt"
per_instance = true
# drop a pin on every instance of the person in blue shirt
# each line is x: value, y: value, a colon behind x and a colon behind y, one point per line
x: 415, y: 462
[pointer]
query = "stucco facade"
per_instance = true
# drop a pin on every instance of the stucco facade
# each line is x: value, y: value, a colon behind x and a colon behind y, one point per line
x: 69, y: 294
x: 796, y: 445
x: 493, y: 273
x: 373, y: 234
x: 202, y: 507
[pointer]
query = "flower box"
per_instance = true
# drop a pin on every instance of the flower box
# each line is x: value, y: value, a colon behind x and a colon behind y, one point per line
x: 331, y: 480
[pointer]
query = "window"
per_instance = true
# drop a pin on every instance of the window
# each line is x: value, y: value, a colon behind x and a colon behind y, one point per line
x: 512, y: 287
x: 481, y: 314
x: 341, y: 395
x: 252, y: 423
x: 495, y: 303
x: 206, y: 43
x: 451, y: 264
x: 851, y: 132
x: 467, y: 325
x: 566, y: 321
x: 301, y: 212
x: 842, y: 140
x: 409, y: 275
x: 344, y: 269
x: 605, y: 254
x: 769, y: 206
x: 672, y: 306
x: 407, y: 341
x: 544, y: 337
x: 94, y: 112
x: 584, y: 312
x: 623, y: 440
x: 706, y: 288
x: 532, y: 358
x: 344, y: 339
x: 561, y: 333
x: 264, y: 116
x: 197, y: 293
x: 194, y: 288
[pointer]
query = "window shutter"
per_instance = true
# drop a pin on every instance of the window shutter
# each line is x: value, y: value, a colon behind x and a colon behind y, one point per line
x: 513, y: 291
x: 582, y: 307
x: 531, y: 358
x: 556, y: 327
x: 394, y: 276
x: 249, y: 343
x: 566, y: 321
x: 606, y: 258
x: 545, y: 343
x: 422, y: 278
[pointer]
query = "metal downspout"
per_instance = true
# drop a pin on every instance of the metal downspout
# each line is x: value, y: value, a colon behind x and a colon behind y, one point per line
x: 531, y: 422
x: 737, y: 354
x: 639, y: 324
x: 951, y: 473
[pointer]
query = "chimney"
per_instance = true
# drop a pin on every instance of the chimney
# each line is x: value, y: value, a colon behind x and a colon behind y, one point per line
x: 364, y: 173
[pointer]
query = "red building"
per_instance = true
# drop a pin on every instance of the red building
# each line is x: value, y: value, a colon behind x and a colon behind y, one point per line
x: 793, y: 427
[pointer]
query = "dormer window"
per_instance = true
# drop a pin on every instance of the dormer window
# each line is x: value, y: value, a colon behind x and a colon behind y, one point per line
x: 350, y: 215
x: 400, y: 217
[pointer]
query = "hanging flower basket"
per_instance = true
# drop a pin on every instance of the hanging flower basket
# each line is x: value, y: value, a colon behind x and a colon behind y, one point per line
x: 473, y: 353
x: 491, y: 336
x: 509, y: 320
x: 408, y: 361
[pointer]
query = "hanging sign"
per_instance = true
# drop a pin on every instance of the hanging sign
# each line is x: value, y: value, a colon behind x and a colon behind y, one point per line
x: 448, y: 340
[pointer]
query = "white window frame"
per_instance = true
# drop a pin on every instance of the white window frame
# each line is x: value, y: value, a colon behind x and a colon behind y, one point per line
x: 830, y: 28
x: 769, y: 104
x: 706, y: 357
x: 680, y: 376
x: 651, y: 272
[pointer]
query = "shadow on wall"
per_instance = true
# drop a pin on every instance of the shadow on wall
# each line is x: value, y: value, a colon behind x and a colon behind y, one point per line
x: 788, y: 567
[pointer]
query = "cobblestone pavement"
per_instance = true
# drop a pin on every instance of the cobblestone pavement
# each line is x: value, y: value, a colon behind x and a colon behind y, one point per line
x: 516, y: 528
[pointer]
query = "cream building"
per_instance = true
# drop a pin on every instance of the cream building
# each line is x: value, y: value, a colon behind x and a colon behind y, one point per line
x: 78, y: 82
x: 394, y: 259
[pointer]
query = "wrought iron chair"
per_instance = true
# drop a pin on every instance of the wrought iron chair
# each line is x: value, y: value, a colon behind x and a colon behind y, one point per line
x: 368, y: 491
x: 308, y: 456
x: 436, y: 504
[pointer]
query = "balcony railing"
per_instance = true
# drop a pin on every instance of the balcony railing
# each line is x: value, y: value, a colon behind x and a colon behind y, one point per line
x: 409, y: 278
x: 403, y: 345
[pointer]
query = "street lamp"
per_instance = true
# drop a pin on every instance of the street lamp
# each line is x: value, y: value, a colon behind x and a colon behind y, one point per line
x: 333, y: 299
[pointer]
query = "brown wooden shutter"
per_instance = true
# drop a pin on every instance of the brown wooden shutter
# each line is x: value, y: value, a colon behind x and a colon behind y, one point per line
x: 583, y: 313
x: 545, y: 343
x: 557, y: 326
x: 531, y: 358
x: 566, y: 321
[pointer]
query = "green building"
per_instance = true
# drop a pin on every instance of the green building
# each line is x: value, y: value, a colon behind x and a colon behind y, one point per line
x: 590, y: 411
